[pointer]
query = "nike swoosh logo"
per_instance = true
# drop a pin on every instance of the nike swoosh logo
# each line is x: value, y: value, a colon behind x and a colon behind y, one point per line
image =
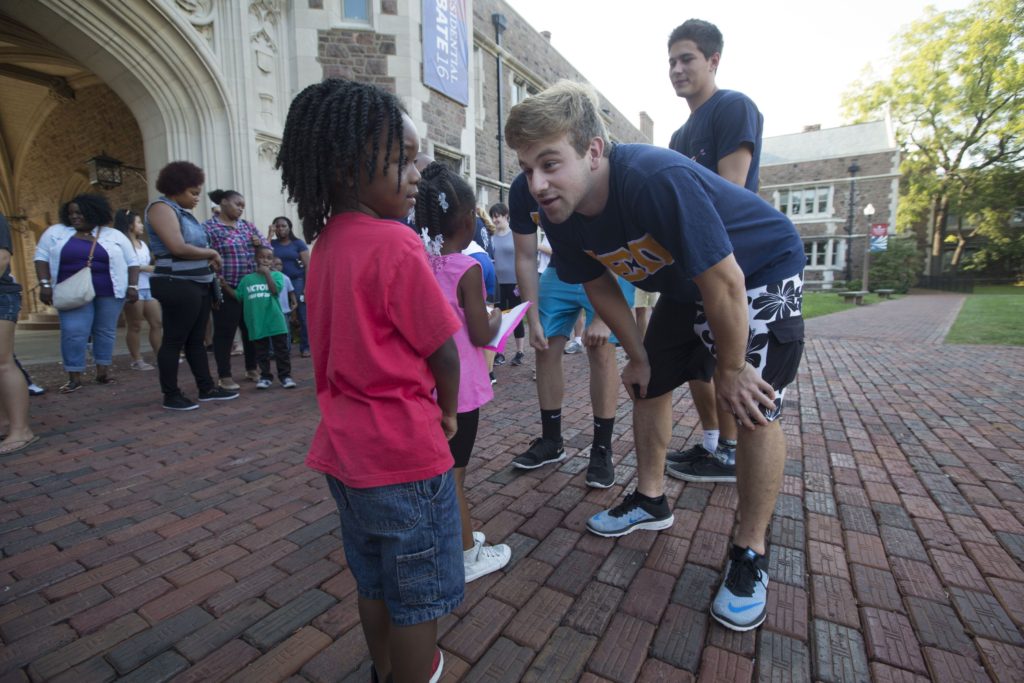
x: 737, y: 610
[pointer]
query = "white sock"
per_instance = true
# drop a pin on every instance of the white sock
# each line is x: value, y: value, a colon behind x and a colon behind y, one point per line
x: 578, y: 340
x: 710, y: 440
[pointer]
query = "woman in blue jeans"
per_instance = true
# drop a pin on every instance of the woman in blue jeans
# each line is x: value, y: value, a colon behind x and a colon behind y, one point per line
x: 294, y: 255
x: 63, y: 250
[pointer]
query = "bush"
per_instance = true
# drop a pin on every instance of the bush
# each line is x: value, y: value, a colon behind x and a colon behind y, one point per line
x: 897, y: 267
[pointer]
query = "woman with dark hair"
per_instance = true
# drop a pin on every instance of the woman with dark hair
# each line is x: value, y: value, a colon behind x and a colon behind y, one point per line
x: 235, y: 239
x: 183, y: 283
x: 294, y: 255
x: 83, y: 240
x: 146, y: 308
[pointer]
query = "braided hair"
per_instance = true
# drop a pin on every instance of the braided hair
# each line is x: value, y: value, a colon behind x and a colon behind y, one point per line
x: 333, y: 132
x: 438, y: 179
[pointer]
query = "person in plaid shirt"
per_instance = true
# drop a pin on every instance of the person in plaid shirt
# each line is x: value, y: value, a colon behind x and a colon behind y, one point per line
x: 235, y: 239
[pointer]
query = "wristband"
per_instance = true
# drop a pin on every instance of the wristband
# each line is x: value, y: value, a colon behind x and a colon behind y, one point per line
x: 135, y: 287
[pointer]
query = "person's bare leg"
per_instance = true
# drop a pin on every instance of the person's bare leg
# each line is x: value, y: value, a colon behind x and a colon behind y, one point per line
x: 652, y: 429
x: 154, y: 318
x: 376, y: 622
x: 604, y: 380
x: 703, y: 394
x: 133, y: 327
x: 550, y: 382
x: 640, y: 313
x: 412, y: 652
x: 760, y: 462
x: 13, y: 389
x: 460, y: 494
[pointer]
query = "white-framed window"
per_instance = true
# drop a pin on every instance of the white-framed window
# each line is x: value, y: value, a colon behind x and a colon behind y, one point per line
x: 480, y: 80
x: 521, y: 89
x: 820, y: 253
x: 355, y: 11
x: 815, y: 200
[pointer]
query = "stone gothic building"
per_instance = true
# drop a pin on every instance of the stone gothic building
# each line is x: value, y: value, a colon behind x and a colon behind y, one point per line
x: 145, y: 82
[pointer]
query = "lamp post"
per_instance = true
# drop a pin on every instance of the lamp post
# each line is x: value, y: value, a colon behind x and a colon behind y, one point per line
x: 869, y: 211
x: 852, y: 170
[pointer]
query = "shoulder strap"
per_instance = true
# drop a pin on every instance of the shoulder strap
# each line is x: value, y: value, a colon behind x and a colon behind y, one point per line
x: 92, y: 249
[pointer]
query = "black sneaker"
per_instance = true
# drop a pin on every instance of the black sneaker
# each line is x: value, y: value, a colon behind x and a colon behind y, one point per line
x: 218, y: 394
x: 692, y: 454
x: 631, y: 514
x: 706, y: 469
x: 541, y: 452
x: 518, y: 358
x: 179, y: 402
x: 600, y: 472
x: 494, y: 380
x: 499, y: 359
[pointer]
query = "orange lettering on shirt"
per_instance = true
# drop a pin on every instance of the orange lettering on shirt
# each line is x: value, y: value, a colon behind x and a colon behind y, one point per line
x: 640, y: 259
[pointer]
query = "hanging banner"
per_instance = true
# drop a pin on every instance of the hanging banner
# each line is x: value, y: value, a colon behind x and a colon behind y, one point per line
x: 879, y: 237
x: 446, y: 48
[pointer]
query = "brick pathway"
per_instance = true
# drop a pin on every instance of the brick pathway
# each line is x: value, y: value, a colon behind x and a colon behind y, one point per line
x: 146, y: 546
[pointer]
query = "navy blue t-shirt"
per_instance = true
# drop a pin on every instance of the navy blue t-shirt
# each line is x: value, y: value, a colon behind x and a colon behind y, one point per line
x: 718, y: 128
x: 668, y: 220
x: 291, y: 257
x: 523, y: 213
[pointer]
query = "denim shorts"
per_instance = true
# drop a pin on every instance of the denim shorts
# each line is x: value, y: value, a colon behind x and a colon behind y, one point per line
x: 146, y: 294
x: 10, y: 306
x: 403, y: 544
x: 561, y: 302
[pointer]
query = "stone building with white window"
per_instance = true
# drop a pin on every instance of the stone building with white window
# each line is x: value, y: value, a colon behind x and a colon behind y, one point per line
x: 145, y: 82
x: 824, y: 179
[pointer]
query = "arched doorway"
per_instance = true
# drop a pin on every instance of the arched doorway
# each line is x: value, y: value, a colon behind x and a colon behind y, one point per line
x: 81, y: 79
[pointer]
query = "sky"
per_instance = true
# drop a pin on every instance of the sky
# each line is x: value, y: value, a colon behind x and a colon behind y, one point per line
x: 794, y: 58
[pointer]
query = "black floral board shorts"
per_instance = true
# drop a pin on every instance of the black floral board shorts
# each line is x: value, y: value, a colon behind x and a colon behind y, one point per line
x: 681, y: 346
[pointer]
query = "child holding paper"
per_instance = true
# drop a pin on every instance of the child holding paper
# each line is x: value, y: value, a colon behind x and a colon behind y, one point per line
x: 445, y: 213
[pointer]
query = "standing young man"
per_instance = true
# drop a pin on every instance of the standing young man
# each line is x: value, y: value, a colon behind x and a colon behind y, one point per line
x: 557, y: 306
x: 722, y: 134
x: 729, y: 268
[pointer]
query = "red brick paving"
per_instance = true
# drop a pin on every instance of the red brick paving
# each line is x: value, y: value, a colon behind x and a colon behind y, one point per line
x: 151, y: 545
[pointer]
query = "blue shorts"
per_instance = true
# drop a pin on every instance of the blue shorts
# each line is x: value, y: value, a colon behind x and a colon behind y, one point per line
x: 560, y: 304
x: 10, y: 306
x: 403, y: 544
x: 145, y: 294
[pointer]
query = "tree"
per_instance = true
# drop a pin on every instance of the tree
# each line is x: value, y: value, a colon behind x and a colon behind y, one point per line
x: 956, y: 96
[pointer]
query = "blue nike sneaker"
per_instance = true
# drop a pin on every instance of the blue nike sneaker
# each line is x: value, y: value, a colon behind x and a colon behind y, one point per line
x: 741, y: 603
x: 631, y: 514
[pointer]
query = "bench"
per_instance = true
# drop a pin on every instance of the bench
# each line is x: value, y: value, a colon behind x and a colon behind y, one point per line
x: 885, y: 293
x: 856, y: 297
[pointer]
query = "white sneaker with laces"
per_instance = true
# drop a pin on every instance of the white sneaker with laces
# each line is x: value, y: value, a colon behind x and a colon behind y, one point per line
x: 140, y: 364
x: 264, y: 384
x: 481, y: 560
x: 288, y: 383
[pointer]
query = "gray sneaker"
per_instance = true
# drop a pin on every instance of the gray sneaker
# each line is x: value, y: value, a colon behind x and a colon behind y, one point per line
x: 691, y: 454
x: 741, y: 602
x: 573, y: 347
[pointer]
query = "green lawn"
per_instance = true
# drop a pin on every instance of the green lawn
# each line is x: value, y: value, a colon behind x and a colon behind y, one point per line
x: 823, y: 303
x: 991, y: 315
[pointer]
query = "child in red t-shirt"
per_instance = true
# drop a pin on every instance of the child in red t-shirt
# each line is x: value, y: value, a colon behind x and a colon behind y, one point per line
x: 380, y: 332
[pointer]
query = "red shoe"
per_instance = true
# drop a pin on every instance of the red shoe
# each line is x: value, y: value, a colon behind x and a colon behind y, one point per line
x: 435, y: 676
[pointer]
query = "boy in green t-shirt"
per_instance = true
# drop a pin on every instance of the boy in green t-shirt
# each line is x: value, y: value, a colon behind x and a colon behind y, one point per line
x: 258, y: 293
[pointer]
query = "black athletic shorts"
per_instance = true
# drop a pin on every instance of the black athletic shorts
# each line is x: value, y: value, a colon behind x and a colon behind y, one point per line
x: 681, y: 347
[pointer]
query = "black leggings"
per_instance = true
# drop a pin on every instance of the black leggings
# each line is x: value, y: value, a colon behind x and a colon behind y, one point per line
x: 186, y: 308
x: 509, y: 299
x: 226, y: 321
x: 465, y: 438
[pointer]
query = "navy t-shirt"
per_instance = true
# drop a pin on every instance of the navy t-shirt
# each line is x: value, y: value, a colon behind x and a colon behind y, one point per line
x: 291, y: 257
x: 718, y: 128
x: 523, y: 213
x: 668, y: 220
x: 483, y: 238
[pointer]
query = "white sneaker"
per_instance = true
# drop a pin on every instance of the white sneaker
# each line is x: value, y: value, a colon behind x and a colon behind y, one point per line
x: 479, y: 538
x: 288, y: 383
x: 264, y: 384
x: 574, y: 346
x: 482, y: 560
x: 140, y: 364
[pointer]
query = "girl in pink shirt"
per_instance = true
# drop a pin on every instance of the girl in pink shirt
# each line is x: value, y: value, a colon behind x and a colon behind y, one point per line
x: 446, y: 215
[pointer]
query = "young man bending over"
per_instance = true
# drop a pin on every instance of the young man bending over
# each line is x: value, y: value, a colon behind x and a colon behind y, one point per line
x: 729, y: 270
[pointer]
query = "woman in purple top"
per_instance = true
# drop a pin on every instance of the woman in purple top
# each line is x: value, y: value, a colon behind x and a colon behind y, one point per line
x: 62, y: 251
x: 235, y: 239
x: 294, y: 255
